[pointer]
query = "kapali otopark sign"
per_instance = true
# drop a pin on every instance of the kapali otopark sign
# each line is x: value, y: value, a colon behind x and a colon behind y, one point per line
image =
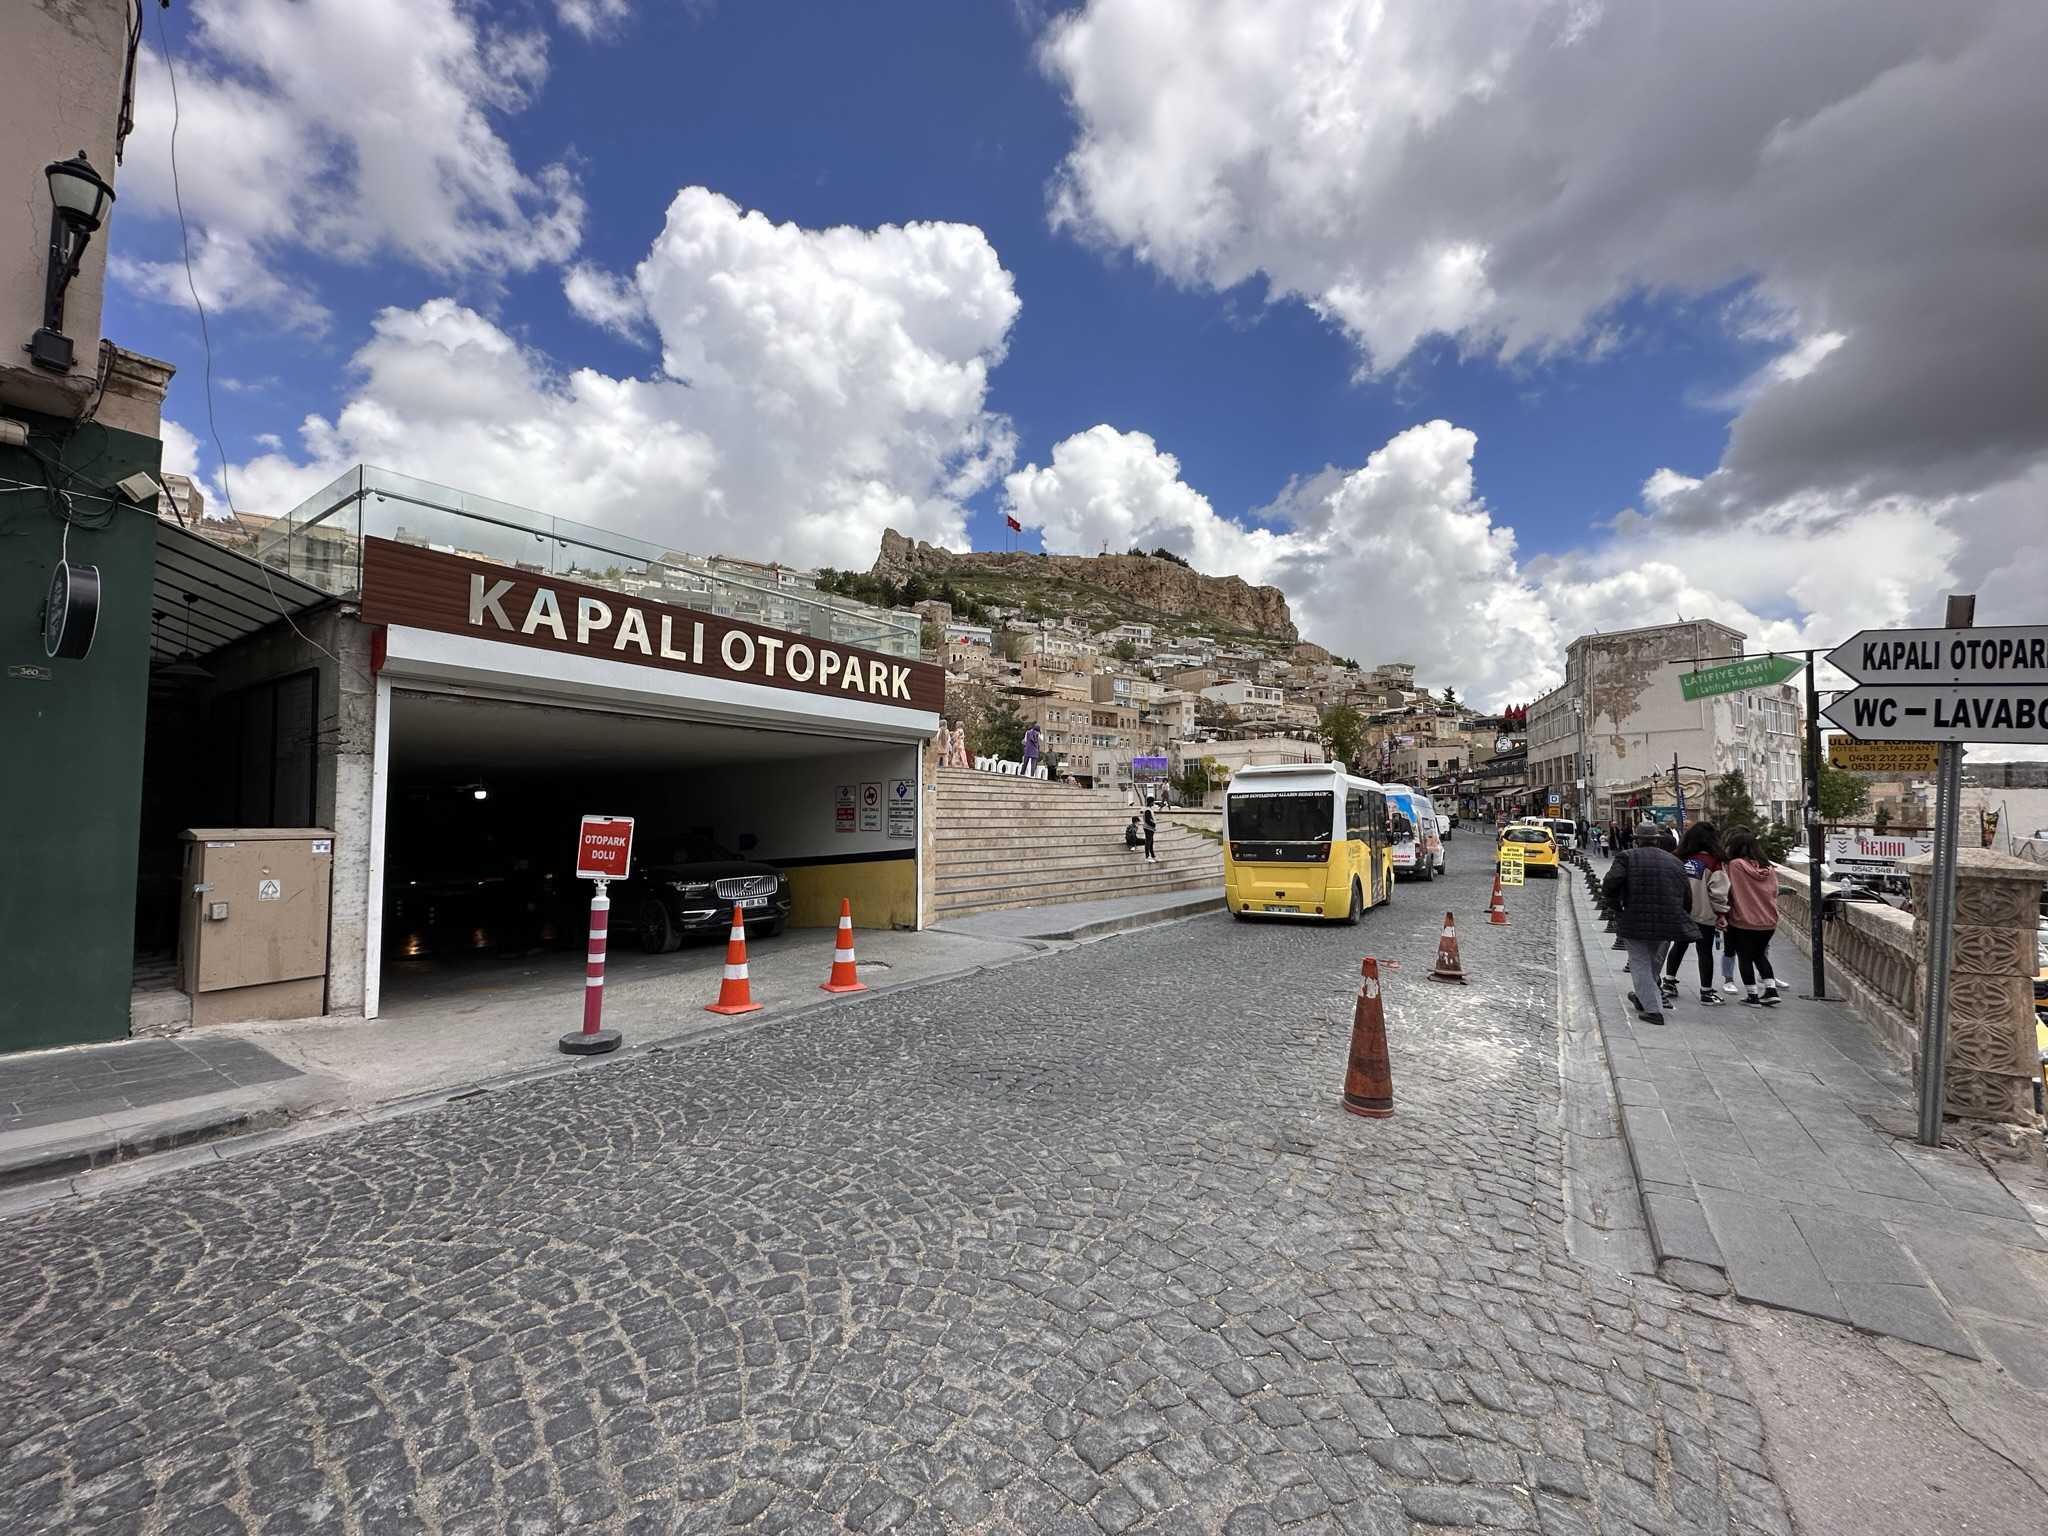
x: 453, y: 594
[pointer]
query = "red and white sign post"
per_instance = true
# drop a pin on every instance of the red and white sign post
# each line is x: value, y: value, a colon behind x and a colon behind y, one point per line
x: 604, y: 853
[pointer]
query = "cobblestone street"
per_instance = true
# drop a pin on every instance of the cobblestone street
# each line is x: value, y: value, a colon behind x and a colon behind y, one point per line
x: 1081, y: 1244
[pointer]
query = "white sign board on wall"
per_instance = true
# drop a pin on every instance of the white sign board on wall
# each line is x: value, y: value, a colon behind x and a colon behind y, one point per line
x: 1848, y: 849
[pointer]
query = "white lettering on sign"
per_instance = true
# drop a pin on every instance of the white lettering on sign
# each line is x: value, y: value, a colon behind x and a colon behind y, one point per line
x: 544, y: 610
x: 633, y: 631
x: 491, y: 600
x: 630, y: 628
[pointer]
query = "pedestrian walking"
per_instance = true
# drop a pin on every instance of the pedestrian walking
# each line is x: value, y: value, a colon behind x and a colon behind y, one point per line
x: 1700, y: 852
x: 1031, y: 742
x: 1648, y: 888
x: 1151, y: 826
x: 1752, y: 916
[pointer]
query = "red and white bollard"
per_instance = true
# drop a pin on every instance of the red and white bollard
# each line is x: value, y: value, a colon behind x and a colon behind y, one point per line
x: 591, y: 1040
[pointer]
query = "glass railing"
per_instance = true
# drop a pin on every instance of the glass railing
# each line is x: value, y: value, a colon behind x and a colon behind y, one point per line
x: 320, y: 542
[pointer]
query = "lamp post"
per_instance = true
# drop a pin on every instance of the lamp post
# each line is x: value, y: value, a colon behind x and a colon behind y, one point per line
x: 79, y: 199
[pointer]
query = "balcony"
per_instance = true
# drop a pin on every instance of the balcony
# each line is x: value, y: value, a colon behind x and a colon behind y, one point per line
x: 320, y: 542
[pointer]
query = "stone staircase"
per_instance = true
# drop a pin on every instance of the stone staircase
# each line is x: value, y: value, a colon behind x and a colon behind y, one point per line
x: 1006, y: 842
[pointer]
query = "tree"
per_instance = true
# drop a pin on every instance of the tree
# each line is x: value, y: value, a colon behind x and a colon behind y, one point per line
x: 1882, y: 819
x: 1451, y: 697
x: 1196, y: 778
x: 930, y: 638
x: 1776, y: 841
x: 997, y: 730
x: 1732, y: 805
x: 1343, y: 732
x: 1125, y: 649
x: 1843, y: 794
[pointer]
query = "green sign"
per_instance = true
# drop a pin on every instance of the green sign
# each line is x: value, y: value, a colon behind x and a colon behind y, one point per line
x: 1751, y: 672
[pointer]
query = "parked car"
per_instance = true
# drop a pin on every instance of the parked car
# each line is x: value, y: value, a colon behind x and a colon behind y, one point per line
x: 696, y: 891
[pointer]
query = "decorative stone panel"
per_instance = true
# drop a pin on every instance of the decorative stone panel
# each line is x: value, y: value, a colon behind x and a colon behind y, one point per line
x: 1991, y: 1051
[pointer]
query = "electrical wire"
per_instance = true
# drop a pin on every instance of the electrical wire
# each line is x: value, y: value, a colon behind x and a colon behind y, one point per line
x: 206, y: 337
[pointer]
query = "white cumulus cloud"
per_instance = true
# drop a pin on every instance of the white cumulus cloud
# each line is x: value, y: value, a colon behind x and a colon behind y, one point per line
x: 1403, y: 558
x: 1506, y: 172
x: 816, y: 386
x: 348, y: 128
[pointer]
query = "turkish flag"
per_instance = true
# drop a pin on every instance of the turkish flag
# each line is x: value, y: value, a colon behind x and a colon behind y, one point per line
x: 1015, y: 526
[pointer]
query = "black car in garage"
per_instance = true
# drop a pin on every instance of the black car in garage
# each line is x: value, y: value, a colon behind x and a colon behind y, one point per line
x: 695, y: 892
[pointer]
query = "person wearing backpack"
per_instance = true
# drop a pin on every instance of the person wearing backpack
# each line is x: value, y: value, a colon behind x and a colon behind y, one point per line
x: 1654, y: 901
x: 1752, y: 916
x: 1708, y: 879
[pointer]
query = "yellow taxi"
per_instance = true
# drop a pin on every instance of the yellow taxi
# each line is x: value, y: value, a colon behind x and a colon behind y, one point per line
x: 1536, y: 845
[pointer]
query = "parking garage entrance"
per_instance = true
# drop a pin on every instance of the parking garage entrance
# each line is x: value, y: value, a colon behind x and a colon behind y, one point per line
x: 510, y: 704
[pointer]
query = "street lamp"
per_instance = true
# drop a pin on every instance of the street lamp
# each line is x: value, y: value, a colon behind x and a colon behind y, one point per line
x: 79, y: 199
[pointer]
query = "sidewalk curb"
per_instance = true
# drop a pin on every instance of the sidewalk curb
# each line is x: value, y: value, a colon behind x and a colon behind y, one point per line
x: 102, y: 1149
x: 1130, y: 922
x: 1681, y: 1244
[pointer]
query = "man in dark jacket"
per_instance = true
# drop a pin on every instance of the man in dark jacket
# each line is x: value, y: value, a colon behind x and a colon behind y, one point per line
x: 1649, y: 888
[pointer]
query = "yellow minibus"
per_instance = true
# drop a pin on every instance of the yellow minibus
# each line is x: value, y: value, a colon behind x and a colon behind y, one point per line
x: 1305, y: 840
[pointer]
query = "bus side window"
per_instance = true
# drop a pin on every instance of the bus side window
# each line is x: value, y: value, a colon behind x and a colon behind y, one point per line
x: 1354, y: 815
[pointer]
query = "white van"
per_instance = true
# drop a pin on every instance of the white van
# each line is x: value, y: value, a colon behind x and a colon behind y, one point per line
x: 1420, y: 855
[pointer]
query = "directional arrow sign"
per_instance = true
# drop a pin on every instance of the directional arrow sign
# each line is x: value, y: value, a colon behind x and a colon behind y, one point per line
x: 1750, y: 672
x: 1943, y: 714
x: 2015, y: 654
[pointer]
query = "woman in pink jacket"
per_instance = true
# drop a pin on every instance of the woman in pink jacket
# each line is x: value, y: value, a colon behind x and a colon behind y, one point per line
x: 1752, y: 915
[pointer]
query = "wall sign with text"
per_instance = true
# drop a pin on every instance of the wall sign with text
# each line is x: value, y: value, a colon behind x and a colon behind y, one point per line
x: 456, y: 595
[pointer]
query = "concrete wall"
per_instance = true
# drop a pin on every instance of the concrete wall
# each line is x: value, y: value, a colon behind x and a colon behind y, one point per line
x: 790, y: 806
x: 71, y: 772
x: 61, y: 66
x: 338, y: 649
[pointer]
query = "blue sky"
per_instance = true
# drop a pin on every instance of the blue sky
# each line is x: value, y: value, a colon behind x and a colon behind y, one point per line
x: 1570, y: 298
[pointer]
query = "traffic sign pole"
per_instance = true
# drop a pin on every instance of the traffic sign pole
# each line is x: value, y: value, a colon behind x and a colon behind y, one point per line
x: 1816, y: 833
x: 1941, y: 903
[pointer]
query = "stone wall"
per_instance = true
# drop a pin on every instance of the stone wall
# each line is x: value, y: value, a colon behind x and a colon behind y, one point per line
x: 1992, y: 1057
x: 1877, y: 960
x: 1872, y: 962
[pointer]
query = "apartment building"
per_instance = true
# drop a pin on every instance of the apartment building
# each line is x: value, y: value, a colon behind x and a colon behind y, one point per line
x: 1607, y: 742
x: 1244, y: 697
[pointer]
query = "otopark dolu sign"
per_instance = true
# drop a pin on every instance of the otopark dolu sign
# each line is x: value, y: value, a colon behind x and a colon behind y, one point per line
x: 604, y: 853
x: 1954, y: 685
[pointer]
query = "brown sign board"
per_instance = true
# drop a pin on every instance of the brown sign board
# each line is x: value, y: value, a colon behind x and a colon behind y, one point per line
x: 1908, y: 757
x: 403, y: 584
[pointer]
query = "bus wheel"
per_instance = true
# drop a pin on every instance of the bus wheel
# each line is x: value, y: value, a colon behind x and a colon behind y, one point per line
x: 1357, y: 907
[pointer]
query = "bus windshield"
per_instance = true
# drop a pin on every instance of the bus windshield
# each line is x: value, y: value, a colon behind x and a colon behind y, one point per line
x: 1303, y: 816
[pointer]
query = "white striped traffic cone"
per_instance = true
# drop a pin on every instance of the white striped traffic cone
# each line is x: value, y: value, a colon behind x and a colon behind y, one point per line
x: 845, y: 975
x: 734, y: 995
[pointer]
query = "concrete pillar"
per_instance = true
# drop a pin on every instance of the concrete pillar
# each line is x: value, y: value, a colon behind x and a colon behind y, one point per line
x: 1992, y: 1057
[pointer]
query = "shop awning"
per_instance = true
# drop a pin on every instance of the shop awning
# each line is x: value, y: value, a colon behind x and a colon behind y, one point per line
x: 205, y: 597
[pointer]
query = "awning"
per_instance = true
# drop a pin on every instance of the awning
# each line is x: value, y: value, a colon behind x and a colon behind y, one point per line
x: 205, y: 598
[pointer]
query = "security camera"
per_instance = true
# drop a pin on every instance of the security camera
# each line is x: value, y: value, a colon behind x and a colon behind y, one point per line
x: 138, y: 487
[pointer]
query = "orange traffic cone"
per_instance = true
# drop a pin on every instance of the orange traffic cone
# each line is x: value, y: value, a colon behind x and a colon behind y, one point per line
x: 733, y: 993
x: 1447, y: 967
x: 1368, y: 1076
x: 845, y: 975
x: 1496, y: 910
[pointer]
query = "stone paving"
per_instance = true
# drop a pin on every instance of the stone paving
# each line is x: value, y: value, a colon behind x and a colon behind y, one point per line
x: 1080, y: 1245
x: 50, y: 1087
x: 1754, y: 1132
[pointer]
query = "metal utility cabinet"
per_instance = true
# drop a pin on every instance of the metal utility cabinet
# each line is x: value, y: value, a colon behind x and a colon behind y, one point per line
x: 252, y: 938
